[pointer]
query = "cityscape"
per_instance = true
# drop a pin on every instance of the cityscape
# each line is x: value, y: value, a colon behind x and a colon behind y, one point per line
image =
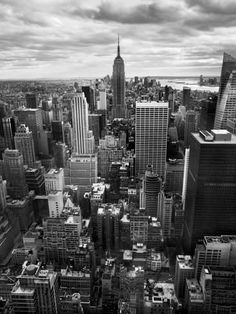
x: 117, y: 191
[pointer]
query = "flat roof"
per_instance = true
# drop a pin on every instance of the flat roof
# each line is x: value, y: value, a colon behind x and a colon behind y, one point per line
x: 201, y: 140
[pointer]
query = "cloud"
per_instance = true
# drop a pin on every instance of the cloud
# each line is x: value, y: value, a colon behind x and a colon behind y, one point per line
x: 71, y: 37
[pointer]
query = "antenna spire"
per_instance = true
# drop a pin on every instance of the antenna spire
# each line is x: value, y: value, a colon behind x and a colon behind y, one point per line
x: 118, y: 46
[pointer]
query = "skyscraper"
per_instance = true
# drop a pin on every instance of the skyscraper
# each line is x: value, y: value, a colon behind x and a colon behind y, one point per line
x: 118, y: 84
x: 14, y: 172
x: 191, y: 125
x: 151, y: 189
x: 83, y: 140
x: 227, y: 96
x: 186, y: 97
x: 25, y: 144
x: 211, y: 188
x: 151, y: 136
x: 33, y: 119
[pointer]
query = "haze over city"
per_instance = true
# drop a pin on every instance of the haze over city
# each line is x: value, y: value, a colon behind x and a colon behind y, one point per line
x: 67, y: 38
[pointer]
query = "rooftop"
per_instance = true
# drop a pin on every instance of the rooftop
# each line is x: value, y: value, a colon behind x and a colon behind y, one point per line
x: 216, y: 137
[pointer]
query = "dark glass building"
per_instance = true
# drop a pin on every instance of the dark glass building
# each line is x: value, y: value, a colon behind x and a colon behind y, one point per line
x: 210, y: 207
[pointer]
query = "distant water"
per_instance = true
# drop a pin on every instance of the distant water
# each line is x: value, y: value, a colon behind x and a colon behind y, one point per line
x: 191, y: 82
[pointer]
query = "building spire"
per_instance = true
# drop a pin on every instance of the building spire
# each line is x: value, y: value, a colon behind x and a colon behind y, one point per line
x: 118, y: 46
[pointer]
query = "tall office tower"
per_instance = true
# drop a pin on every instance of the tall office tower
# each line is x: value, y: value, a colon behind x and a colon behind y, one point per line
x: 118, y: 85
x: 33, y: 119
x: 102, y: 103
x: 151, y: 137
x: 185, y: 176
x: 207, y: 113
x: 8, y: 125
x: 82, y: 138
x: 215, y: 251
x: 35, y: 180
x: 14, y: 172
x: 25, y: 144
x: 218, y: 286
x: 58, y: 131
x: 54, y: 180
x: 184, y: 269
x: 165, y: 214
x: 89, y: 94
x: 31, y: 100
x: 151, y: 189
x: 138, y: 226
x: 35, y: 290
x: 60, y: 155
x: 191, y: 125
x: 82, y: 171
x: 95, y: 124
x: 3, y: 194
x: 68, y: 134
x: 174, y: 176
x: 55, y: 203
x: 211, y: 186
x: 226, y: 99
x: 57, y: 114
x: 108, y: 227
x: 186, y: 97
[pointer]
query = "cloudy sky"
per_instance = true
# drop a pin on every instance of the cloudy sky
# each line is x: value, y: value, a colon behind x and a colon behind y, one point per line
x: 77, y: 38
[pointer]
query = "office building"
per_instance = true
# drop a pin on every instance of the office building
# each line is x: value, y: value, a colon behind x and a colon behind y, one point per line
x: 102, y: 103
x: 68, y: 134
x: 89, y: 94
x: 58, y: 131
x: 174, y: 176
x: 118, y: 86
x: 151, y: 137
x: 21, y: 210
x: 108, y: 227
x: 231, y: 125
x: 14, y: 173
x: 194, y: 298
x: 138, y: 226
x: 225, y: 108
x: 159, y: 297
x: 207, y: 113
x: 83, y: 140
x: 54, y: 180
x: 151, y: 189
x: 82, y: 171
x: 34, y: 178
x: 186, y: 97
x: 218, y: 284
x: 165, y: 213
x: 184, y: 269
x: 59, y: 155
x: 33, y: 119
x: 95, y: 124
x: 3, y: 194
x: 31, y: 100
x: 35, y: 291
x: 25, y: 144
x: 55, y: 203
x: 8, y: 131
x: 215, y: 251
x: 191, y: 125
x: 211, y: 190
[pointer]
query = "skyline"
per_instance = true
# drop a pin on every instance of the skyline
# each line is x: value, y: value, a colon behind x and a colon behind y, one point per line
x: 68, y: 38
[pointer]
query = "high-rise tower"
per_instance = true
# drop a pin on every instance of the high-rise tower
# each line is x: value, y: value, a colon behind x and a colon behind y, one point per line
x: 82, y: 137
x: 211, y: 188
x: 14, y: 172
x: 151, y: 137
x: 118, y: 84
x: 25, y: 144
x: 226, y: 107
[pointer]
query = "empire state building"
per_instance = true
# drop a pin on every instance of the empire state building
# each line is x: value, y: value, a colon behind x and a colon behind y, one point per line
x: 118, y: 84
